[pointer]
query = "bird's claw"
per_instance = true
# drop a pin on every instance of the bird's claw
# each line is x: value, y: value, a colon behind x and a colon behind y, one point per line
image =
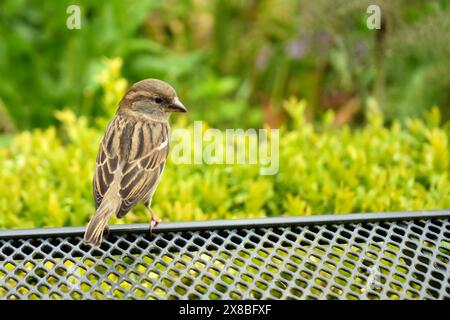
x: 153, y: 223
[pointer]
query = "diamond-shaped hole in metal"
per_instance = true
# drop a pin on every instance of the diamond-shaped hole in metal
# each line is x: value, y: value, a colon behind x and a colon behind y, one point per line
x: 372, y: 260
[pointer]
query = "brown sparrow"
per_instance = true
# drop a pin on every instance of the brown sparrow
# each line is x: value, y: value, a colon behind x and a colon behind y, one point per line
x: 132, y: 154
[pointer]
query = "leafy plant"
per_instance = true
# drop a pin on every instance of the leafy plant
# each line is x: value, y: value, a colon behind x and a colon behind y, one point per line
x: 47, y: 174
x: 233, y: 62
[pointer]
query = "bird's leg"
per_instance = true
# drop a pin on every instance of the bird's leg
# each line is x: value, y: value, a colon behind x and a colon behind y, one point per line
x: 106, y: 231
x: 155, y: 220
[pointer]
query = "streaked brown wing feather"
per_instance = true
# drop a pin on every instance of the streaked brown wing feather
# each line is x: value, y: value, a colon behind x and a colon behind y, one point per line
x: 148, y: 152
x: 107, y: 161
x: 139, y: 149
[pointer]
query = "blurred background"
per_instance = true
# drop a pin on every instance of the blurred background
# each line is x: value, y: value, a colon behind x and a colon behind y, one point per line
x: 363, y: 113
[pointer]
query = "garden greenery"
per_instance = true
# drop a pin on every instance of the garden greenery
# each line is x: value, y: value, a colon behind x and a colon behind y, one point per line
x: 46, y: 174
x: 321, y: 50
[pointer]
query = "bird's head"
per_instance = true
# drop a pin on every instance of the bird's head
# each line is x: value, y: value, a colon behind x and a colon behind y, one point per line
x: 153, y: 97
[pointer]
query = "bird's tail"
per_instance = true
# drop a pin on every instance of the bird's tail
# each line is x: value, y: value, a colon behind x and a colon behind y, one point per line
x: 98, y: 223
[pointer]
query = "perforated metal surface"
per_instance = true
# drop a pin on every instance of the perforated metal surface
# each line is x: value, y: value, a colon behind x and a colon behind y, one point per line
x: 345, y: 257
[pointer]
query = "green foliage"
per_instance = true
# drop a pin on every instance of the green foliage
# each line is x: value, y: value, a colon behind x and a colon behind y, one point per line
x: 324, y: 54
x: 233, y: 62
x: 59, y: 67
x: 47, y: 174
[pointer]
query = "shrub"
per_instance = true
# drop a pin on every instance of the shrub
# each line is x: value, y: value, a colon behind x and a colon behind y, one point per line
x: 47, y: 174
x: 321, y: 50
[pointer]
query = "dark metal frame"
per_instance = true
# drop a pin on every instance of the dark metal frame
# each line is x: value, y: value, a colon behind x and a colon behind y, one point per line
x: 233, y: 224
x: 308, y: 257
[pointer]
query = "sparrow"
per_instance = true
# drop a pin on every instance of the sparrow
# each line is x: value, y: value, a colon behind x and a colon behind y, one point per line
x: 132, y: 154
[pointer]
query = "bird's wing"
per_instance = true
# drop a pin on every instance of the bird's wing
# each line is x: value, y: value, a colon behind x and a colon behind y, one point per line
x: 147, y: 152
x: 107, y: 162
x: 140, y: 175
x: 141, y: 149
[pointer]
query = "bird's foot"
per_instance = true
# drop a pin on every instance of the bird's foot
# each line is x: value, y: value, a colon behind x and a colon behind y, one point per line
x: 154, y: 222
x: 106, y: 231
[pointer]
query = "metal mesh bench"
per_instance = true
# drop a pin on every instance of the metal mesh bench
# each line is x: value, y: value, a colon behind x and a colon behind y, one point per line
x: 358, y: 256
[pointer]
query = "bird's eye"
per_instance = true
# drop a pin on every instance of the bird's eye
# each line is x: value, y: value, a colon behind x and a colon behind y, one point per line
x: 158, y: 100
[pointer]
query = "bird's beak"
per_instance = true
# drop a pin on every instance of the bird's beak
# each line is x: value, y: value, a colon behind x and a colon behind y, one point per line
x: 176, y: 106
